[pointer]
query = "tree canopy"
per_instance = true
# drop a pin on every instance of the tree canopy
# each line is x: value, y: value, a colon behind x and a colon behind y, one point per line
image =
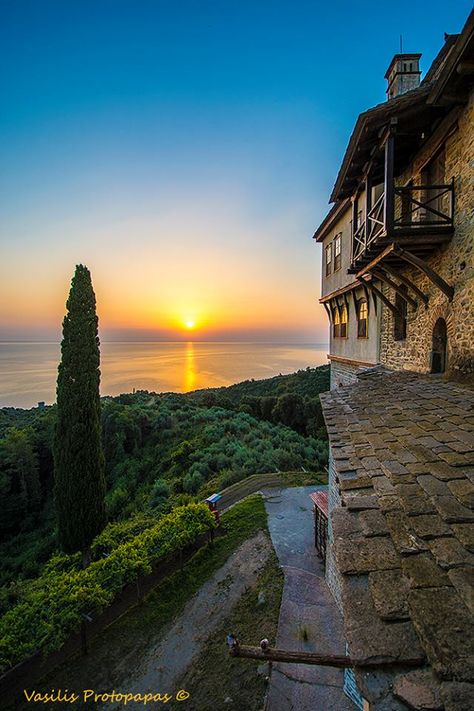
x: 78, y: 457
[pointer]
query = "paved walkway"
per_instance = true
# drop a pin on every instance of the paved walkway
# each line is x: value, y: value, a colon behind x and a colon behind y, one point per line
x: 307, y: 603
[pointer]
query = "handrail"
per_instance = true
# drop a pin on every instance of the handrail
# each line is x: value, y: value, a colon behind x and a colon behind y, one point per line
x: 416, y: 207
x: 418, y: 212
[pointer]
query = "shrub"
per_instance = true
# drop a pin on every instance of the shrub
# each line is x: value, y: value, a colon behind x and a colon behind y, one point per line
x: 51, y: 606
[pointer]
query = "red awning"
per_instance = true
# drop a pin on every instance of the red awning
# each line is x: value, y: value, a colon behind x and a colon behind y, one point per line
x: 320, y: 499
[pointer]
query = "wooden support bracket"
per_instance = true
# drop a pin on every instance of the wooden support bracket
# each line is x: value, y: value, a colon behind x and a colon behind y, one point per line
x: 328, y: 311
x: 408, y: 283
x: 381, y: 296
x: 426, y: 269
x: 388, y: 250
x: 381, y: 276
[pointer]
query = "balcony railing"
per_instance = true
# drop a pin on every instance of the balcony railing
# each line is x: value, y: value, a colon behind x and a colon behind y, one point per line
x: 416, y: 209
x: 423, y: 206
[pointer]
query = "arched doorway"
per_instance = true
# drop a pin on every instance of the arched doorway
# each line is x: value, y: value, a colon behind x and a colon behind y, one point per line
x: 440, y: 346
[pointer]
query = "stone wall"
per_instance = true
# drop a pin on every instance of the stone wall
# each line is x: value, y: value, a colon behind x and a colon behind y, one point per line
x: 334, y: 500
x: 345, y: 373
x: 454, y: 262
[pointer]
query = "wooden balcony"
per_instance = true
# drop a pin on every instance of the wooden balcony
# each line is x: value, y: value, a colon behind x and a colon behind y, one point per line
x: 417, y: 217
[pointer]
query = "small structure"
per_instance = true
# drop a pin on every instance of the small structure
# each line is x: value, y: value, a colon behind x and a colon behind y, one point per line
x: 320, y: 501
x: 211, y: 501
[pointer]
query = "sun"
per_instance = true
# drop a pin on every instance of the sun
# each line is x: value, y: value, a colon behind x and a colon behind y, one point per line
x: 190, y: 324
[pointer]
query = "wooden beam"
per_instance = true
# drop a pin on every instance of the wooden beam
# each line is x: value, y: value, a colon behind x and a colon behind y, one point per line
x: 426, y: 269
x: 379, y: 274
x: 368, y: 205
x: 328, y: 311
x: 389, y: 176
x: 280, y: 655
x: 354, y: 299
x: 338, y: 292
x: 320, y: 660
x: 367, y: 298
x: 382, y: 297
x: 388, y: 250
x: 407, y: 283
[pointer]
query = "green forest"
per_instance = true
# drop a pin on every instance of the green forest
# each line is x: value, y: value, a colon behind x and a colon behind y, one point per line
x: 162, y: 451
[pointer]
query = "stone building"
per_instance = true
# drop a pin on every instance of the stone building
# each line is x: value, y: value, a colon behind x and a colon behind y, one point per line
x: 398, y: 243
x: 398, y: 288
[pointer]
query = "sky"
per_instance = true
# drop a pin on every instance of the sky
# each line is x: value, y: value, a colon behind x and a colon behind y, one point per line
x: 184, y: 151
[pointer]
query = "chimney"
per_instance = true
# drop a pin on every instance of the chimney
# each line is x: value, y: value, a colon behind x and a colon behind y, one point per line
x: 403, y: 74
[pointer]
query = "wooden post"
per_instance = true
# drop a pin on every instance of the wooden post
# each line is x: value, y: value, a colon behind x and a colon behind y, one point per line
x: 368, y: 206
x: 389, y: 205
x: 355, y: 201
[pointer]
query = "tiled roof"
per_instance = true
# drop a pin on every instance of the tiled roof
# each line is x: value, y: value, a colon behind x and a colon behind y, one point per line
x: 320, y: 499
x: 403, y: 450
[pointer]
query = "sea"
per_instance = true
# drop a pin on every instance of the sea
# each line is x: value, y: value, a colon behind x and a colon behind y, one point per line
x: 28, y: 370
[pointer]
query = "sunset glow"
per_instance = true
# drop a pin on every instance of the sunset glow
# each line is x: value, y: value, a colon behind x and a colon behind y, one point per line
x: 186, y: 164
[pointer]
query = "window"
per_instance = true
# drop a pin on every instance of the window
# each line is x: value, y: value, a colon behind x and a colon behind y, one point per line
x: 400, y: 322
x: 337, y: 251
x: 336, y: 328
x: 362, y: 318
x: 328, y: 258
x: 344, y: 321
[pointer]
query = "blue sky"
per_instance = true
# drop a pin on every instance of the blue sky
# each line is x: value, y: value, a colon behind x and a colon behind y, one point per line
x: 176, y: 145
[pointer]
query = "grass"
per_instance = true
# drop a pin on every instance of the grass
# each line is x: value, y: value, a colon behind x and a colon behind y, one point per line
x: 216, y: 676
x: 130, y: 635
x: 300, y: 478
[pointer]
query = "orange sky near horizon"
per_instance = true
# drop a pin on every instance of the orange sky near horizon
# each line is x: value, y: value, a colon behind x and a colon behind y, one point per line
x: 240, y: 286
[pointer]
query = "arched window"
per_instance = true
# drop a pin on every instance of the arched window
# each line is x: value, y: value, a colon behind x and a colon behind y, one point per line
x: 344, y: 321
x: 336, y: 328
x: 362, y: 319
x: 400, y: 321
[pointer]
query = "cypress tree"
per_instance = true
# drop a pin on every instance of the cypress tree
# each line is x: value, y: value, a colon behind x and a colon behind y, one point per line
x: 78, y: 457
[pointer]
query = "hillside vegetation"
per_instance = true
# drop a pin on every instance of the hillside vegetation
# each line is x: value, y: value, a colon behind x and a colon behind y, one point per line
x: 161, y: 451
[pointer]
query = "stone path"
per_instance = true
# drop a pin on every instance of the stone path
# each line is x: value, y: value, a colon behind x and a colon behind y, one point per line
x: 167, y: 658
x: 306, y: 604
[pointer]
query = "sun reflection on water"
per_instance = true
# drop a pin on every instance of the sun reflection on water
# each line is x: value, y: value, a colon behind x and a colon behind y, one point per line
x: 190, y: 375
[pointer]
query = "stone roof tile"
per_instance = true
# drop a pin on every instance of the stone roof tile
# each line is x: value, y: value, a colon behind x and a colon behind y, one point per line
x: 405, y: 551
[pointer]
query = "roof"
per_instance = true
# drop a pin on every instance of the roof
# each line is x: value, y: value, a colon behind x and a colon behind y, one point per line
x: 365, y: 135
x: 419, y: 105
x: 334, y: 214
x: 403, y: 453
x: 320, y: 499
x: 214, y: 498
x: 461, y: 49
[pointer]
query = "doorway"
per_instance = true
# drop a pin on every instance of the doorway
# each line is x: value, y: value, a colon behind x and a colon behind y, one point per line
x: 440, y: 346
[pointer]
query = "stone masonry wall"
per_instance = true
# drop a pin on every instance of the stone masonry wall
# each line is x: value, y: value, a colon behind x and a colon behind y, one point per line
x: 343, y: 374
x: 334, y: 500
x: 454, y: 262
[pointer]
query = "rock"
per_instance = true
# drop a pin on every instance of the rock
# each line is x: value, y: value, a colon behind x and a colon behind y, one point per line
x: 419, y: 689
x: 366, y: 554
x: 441, y: 620
x: 227, y: 700
x: 457, y: 696
x: 389, y: 589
